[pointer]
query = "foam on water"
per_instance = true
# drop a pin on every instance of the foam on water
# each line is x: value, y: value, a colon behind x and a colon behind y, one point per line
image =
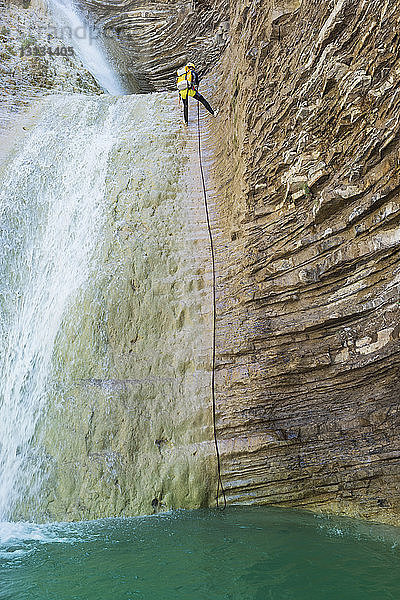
x: 240, y: 554
x: 12, y: 533
x: 20, y: 539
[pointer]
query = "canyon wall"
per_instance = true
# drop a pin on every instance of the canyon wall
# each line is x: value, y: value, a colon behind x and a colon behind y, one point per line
x: 151, y: 40
x: 306, y: 197
x: 307, y: 171
x: 306, y: 215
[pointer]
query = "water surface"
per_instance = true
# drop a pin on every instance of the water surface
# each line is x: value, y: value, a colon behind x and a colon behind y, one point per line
x: 239, y: 554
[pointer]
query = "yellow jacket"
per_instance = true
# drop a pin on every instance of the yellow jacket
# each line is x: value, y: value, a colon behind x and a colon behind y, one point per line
x: 184, y: 82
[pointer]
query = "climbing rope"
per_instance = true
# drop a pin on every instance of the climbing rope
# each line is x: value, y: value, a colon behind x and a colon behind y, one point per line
x: 219, y: 485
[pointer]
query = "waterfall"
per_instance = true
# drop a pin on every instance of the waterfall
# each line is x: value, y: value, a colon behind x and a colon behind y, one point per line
x: 87, y: 45
x: 51, y: 202
x: 104, y: 308
x: 102, y: 320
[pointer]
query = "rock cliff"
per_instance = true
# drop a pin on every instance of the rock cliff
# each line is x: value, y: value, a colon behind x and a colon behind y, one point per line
x: 151, y: 40
x: 308, y: 200
x: 306, y: 214
x: 306, y: 177
x: 24, y: 75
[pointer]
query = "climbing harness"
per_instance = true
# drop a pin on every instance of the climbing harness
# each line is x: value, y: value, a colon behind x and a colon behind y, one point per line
x: 219, y: 485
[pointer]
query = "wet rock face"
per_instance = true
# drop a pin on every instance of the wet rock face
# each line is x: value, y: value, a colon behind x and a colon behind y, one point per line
x: 309, y: 204
x: 306, y: 163
x: 25, y: 74
x: 151, y: 40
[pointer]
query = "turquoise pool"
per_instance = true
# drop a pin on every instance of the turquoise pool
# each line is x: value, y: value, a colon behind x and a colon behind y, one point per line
x: 240, y: 554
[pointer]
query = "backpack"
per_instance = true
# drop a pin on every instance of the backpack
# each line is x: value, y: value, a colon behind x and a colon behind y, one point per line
x: 184, y: 80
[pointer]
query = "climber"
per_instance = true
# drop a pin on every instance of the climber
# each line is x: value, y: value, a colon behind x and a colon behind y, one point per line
x: 187, y: 84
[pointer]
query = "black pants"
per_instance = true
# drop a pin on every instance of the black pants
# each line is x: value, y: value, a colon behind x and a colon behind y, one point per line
x: 198, y: 97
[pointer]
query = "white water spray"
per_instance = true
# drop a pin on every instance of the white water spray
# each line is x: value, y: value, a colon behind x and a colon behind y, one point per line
x: 85, y: 158
x: 88, y: 47
x: 51, y: 214
x: 51, y: 210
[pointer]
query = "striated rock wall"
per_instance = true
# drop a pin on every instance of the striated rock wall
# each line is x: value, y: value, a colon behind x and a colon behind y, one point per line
x: 308, y: 201
x: 306, y: 155
x: 151, y: 40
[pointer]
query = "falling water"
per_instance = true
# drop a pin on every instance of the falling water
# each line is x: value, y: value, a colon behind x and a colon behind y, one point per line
x: 51, y: 216
x: 51, y: 199
x: 92, y: 222
x: 87, y: 45
x: 97, y: 251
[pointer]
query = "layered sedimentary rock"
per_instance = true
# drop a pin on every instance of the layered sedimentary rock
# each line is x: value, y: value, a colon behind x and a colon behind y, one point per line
x: 306, y: 178
x: 306, y: 172
x: 153, y: 39
x: 309, y: 205
x: 307, y: 201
